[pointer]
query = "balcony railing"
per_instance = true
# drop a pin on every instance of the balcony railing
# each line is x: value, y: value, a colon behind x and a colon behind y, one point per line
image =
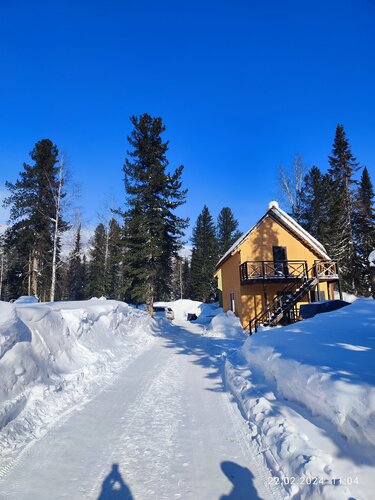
x: 326, y: 269
x: 272, y: 270
x: 269, y: 270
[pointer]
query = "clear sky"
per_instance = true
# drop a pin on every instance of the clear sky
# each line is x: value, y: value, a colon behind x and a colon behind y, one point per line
x: 242, y: 86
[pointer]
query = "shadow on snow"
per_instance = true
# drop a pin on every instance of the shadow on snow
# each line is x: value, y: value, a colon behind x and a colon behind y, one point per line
x: 242, y: 480
x: 114, y: 487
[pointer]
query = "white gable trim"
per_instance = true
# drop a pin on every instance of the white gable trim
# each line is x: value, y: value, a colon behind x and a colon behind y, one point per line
x: 290, y: 223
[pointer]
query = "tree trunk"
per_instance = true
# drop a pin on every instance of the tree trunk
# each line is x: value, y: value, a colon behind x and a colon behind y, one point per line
x: 150, y: 302
x: 372, y: 270
x: 56, y: 232
x: 1, y: 273
x: 34, y: 274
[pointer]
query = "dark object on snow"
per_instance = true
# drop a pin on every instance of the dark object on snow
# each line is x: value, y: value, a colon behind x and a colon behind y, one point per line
x: 114, y: 487
x: 191, y: 317
x: 310, y: 310
x: 158, y: 309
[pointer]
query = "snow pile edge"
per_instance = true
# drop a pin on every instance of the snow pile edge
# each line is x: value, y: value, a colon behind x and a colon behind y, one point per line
x: 55, y: 357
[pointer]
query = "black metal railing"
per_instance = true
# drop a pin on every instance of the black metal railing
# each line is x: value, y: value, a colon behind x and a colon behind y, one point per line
x: 321, y: 270
x: 279, y: 304
x: 272, y: 270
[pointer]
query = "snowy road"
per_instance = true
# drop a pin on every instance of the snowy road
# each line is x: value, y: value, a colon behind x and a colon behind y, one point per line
x: 164, y: 429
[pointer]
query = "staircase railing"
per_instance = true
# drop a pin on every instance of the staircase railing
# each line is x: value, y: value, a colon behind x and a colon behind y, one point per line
x: 271, y: 308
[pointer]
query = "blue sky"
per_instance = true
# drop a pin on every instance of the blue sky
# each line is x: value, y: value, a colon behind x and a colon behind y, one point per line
x: 242, y: 86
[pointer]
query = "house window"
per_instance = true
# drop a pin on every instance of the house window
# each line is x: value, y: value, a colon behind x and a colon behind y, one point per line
x: 232, y: 303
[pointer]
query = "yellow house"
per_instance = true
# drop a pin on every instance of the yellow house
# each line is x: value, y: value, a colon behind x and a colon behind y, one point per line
x: 272, y: 269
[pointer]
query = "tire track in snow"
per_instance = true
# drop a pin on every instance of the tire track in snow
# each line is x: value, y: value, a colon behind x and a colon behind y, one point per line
x: 149, y: 434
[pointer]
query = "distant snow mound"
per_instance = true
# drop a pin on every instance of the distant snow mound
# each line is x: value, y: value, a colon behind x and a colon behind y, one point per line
x: 183, y: 307
x: 27, y: 299
x: 226, y: 325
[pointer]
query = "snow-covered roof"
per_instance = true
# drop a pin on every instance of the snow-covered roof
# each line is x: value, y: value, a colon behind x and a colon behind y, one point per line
x: 290, y: 223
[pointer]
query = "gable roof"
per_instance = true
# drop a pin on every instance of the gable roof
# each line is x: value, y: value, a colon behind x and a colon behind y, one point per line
x: 277, y: 213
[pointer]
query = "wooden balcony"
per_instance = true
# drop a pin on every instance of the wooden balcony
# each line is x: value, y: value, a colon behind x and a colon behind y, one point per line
x: 260, y: 271
x: 326, y: 270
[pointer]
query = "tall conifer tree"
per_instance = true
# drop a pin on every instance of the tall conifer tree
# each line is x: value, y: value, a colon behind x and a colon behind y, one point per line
x: 204, y: 258
x: 364, y: 232
x: 76, y: 273
x: 97, y: 270
x: 32, y: 202
x: 114, y: 260
x: 227, y: 230
x: 152, y: 229
x: 314, y: 204
x: 340, y: 243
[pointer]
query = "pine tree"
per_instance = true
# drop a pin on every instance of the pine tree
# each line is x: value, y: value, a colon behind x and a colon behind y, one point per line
x: 364, y: 233
x: 186, y: 279
x: 3, y: 267
x: 177, y: 291
x: 32, y: 202
x: 114, y: 261
x: 76, y: 284
x: 152, y: 230
x: 15, y: 271
x: 85, y: 274
x: 314, y: 205
x: 97, y: 282
x: 204, y: 258
x: 227, y: 230
x: 341, y: 205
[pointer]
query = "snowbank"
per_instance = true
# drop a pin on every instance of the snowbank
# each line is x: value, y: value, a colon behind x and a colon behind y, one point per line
x: 348, y: 297
x: 27, y: 299
x: 225, y: 325
x: 308, y: 391
x: 54, y: 355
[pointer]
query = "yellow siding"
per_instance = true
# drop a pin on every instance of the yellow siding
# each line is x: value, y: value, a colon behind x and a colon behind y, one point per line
x: 230, y: 276
x: 269, y: 233
x: 251, y: 299
x: 219, y: 284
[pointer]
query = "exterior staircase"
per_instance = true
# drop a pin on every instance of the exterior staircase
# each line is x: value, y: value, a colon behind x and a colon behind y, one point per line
x: 281, y: 306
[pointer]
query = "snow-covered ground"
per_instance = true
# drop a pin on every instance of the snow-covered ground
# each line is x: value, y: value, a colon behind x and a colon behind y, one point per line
x: 54, y: 357
x: 308, y: 392
x: 96, y: 396
x: 163, y: 428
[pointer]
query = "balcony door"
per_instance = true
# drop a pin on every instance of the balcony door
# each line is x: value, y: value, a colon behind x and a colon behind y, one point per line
x: 280, y: 258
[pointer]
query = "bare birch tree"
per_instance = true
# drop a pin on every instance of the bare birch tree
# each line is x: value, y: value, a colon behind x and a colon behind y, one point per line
x: 290, y: 181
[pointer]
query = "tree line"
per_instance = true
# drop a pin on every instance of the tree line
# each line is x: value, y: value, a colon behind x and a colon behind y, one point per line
x: 337, y: 208
x: 136, y: 255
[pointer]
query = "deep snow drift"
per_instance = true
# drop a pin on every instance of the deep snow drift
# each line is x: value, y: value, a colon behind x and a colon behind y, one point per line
x: 54, y: 356
x: 308, y: 391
